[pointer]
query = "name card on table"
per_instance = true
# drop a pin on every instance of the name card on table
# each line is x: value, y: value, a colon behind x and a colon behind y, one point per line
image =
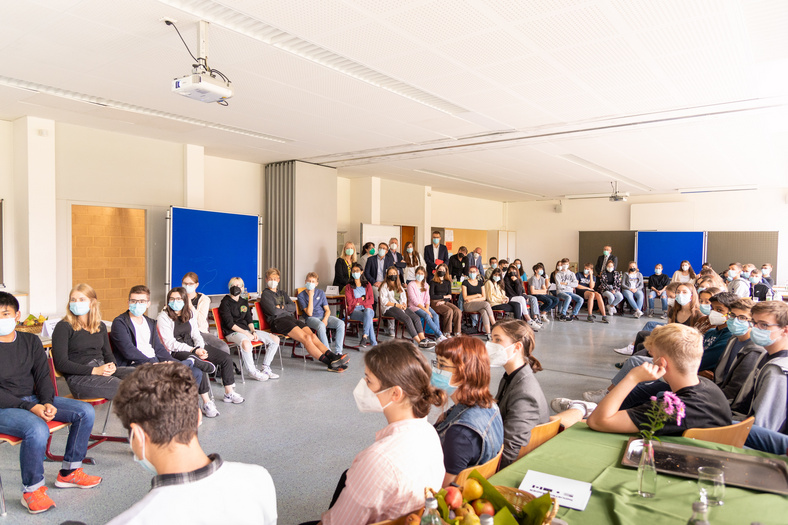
x: 49, y: 327
x: 332, y: 290
x: 568, y: 492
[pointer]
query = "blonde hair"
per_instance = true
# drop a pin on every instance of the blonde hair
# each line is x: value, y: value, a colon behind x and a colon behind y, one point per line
x: 94, y: 315
x: 355, y: 252
x: 236, y: 281
x: 682, y: 345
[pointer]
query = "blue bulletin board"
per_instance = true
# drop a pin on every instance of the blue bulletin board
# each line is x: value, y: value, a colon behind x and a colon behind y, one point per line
x: 216, y: 246
x: 669, y: 249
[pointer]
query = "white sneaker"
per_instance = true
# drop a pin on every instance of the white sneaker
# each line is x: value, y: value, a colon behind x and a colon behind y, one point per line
x: 233, y: 397
x: 545, y: 318
x: 209, y: 409
x: 442, y: 338
x: 638, y: 314
x: 270, y: 373
x: 256, y: 374
x: 534, y: 325
x: 627, y: 350
x: 562, y: 404
x: 611, y: 310
x: 595, y: 396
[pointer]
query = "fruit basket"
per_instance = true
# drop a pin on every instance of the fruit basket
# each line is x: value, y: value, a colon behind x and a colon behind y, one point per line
x: 519, y: 498
x: 31, y: 324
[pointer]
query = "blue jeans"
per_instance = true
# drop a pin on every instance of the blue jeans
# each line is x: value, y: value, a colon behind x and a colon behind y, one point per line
x: 663, y: 297
x: 431, y: 319
x: 566, y: 298
x: 635, y: 300
x: 35, y: 434
x: 548, y: 301
x: 613, y: 298
x: 317, y: 326
x: 366, y: 315
x: 767, y: 440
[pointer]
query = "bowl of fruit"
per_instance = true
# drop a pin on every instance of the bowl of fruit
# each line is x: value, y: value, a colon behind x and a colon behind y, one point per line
x: 31, y: 324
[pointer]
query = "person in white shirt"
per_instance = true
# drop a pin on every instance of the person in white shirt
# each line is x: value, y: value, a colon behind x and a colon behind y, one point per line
x: 565, y: 284
x: 736, y: 284
x: 201, y: 305
x: 412, y: 261
x: 157, y: 405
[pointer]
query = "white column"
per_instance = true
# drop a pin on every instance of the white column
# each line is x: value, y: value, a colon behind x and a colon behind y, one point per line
x: 193, y: 176
x: 35, y: 219
x: 374, y: 199
x: 424, y: 235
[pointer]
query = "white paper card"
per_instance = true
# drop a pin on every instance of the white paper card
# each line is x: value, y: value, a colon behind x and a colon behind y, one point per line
x: 569, y: 492
x: 332, y: 290
x: 49, y: 327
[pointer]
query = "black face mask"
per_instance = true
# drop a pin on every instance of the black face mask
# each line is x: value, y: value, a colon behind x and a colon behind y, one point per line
x: 235, y: 290
x: 392, y: 277
x: 440, y: 273
x: 633, y: 269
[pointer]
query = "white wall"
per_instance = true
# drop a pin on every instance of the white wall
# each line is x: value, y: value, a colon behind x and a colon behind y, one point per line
x: 234, y: 186
x: 467, y: 213
x: 401, y: 204
x: 7, y: 194
x: 343, y: 206
x: 315, y: 222
x: 544, y: 235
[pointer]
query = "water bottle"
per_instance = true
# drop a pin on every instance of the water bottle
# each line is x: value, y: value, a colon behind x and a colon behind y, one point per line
x: 431, y: 515
x: 486, y: 519
x: 699, y: 514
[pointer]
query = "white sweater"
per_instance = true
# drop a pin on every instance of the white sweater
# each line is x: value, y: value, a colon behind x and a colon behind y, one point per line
x: 166, y: 327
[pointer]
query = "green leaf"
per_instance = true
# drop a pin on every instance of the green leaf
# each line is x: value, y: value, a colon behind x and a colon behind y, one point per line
x: 442, y: 507
x: 491, y: 493
x: 504, y: 517
x: 536, y: 510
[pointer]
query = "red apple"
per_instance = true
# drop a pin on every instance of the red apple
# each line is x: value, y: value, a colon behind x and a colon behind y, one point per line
x: 453, y: 497
x: 482, y: 506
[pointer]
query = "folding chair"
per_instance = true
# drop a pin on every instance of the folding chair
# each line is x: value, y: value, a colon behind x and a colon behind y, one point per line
x: 398, y: 326
x: 283, y: 338
x: 220, y: 335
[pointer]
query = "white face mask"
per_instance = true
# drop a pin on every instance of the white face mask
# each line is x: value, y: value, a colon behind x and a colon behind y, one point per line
x: 394, y: 247
x: 671, y: 301
x: 766, y: 271
x: 382, y: 253
x: 499, y: 354
x: 7, y: 325
x: 684, y: 267
x: 143, y: 461
x: 273, y: 284
x: 367, y: 400
x: 716, y: 318
x: 683, y: 298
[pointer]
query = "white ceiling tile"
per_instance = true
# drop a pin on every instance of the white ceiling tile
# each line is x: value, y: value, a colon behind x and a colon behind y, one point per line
x: 644, y: 14
x: 569, y: 28
x: 524, y: 69
x: 437, y: 21
x: 519, y: 9
x: 485, y: 48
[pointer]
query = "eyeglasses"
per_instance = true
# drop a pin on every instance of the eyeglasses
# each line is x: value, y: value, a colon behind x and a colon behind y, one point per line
x: 763, y: 325
x: 742, y: 318
x: 138, y: 301
x: 441, y: 366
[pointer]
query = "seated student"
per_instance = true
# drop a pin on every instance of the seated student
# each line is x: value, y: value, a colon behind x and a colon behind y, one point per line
x: 471, y: 432
x: 435, y: 254
x: 677, y: 350
x: 156, y: 405
x: 279, y: 312
x: 520, y: 397
x: 412, y: 260
x: 387, y: 479
x: 317, y: 314
x: 741, y: 354
x: 552, y: 287
x: 537, y: 286
x: 359, y: 301
x: 182, y: 339
x: 632, y: 288
x: 419, y: 302
x: 375, y: 270
x: 518, y: 265
x: 395, y: 258
x: 201, y: 305
x: 704, y: 307
x: 492, y: 266
x: 766, y: 388
x: 760, y: 290
x: 609, y: 285
x: 656, y: 289
x: 81, y: 350
x: 496, y: 296
x: 685, y: 274
x: 475, y: 300
x: 394, y: 303
x: 736, y: 284
x: 746, y: 270
x: 367, y: 251
x: 586, y: 285
x: 503, y: 264
x: 235, y: 317
x: 513, y: 289
x: 565, y: 284
x: 766, y: 271
x: 458, y: 264
x: 28, y: 402
x: 710, y: 281
x: 441, y: 301
x: 343, y: 265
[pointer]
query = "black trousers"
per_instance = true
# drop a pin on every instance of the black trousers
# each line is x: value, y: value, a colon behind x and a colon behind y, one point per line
x: 337, y: 492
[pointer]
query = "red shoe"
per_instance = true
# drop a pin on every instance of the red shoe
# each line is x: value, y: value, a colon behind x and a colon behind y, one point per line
x: 77, y: 479
x: 37, y: 501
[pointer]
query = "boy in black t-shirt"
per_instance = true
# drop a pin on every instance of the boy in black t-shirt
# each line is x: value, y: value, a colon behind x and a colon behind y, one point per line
x: 677, y: 350
x: 759, y: 290
x: 656, y: 289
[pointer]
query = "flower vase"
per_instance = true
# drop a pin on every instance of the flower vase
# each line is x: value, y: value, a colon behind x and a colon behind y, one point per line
x: 647, y: 471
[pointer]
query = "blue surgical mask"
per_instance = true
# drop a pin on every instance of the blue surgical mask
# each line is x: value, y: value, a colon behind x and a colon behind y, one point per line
x: 496, y: 278
x: 657, y: 271
x: 137, y: 309
x: 737, y: 327
x: 176, y: 306
x: 494, y: 266
x: 190, y: 288
x: 409, y: 250
x: 755, y: 280
x: 517, y: 266
x: 731, y: 275
x: 79, y: 307
x: 472, y: 276
x: 541, y: 272
x: 310, y: 286
x: 356, y: 275
x: 442, y: 379
x: 436, y: 240
x: 761, y: 337
x: 143, y: 461
x: 586, y: 271
x: 705, y: 309
x: 419, y: 277
x: 7, y: 325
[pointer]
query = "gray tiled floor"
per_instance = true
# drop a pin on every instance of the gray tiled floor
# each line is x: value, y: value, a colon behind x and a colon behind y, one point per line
x: 304, y: 428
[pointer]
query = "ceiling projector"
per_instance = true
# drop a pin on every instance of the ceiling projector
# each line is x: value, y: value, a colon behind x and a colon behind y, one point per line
x: 618, y: 197
x: 202, y: 87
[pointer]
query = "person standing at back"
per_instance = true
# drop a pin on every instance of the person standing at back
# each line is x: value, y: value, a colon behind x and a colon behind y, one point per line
x: 344, y: 264
x: 395, y: 258
x: 458, y: 264
x: 602, y: 260
x: 435, y: 254
x: 412, y: 261
x: 475, y: 259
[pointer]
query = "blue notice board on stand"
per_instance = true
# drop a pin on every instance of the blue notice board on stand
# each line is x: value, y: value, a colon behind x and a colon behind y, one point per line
x: 216, y: 246
x: 669, y: 249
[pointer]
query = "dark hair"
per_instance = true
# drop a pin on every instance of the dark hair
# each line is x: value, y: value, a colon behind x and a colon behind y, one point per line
x: 446, y: 275
x: 367, y: 245
x: 491, y: 259
x: 6, y: 299
x: 518, y: 330
x: 712, y: 291
x: 744, y: 303
x: 497, y: 272
x: 400, y: 363
x: 162, y: 399
x: 397, y: 280
x: 726, y: 299
x: 411, y: 259
x: 689, y: 269
x: 436, y: 232
x: 140, y: 289
x: 361, y: 279
x: 186, y: 313
x: 470, y: 357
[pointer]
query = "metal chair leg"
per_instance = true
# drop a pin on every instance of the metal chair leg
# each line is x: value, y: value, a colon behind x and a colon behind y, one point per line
x: 106, y: 419
x: 2, y: 500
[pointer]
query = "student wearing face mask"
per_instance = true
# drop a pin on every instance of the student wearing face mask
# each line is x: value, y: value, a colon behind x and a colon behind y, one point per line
x: 520, y: 398
x: 180, y: 336
x: 565, y: 284
x: 586, y: 285
x: 344, y: 264
x: 493, y: 264
x: 235, y: 315
x: 317, y: 314
x: 200, y: 305
x: 475, y: 259
x: 279, y: 312
x: 359, y: 302
x: 419, y: 302
x: 496, y: 296
x: 513, y: 289
x: 537, y: 286
x: 471, y: 432
x: 503, y: 264
x: 766, y: 272
x: 741, y: 355
x: 435, y: 254
x: 412, y: 261
x: 632, y: 288
x: 736, y: 284
x: 760, y: 290
x: 394, y: 303
x: 367, y: 251
x: 156, y: 406
x: 685, y: 274
x: 441, y: 301
x: 475, y: 300
x: 609, y: 285
x: 656, y: 289
x: 387, y: 479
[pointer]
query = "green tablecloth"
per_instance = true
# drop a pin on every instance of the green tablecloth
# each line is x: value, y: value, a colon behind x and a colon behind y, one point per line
x: 582, y: 454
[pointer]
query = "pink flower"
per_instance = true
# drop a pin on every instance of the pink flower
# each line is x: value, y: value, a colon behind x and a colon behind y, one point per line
x: 653, y: 398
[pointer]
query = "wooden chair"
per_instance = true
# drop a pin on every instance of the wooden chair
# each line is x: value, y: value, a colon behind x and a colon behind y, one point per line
x: 353, y: 327
x: 734, y: 435
x: 220, y: 335
x: 398, y: 327
x: 283, y: 338
x: 540, y: 434
x: 486, y: 469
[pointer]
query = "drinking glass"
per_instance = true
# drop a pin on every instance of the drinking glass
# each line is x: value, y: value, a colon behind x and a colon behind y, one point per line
x: 711, y: 484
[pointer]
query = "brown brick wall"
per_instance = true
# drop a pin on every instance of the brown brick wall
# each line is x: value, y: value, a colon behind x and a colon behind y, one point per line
x: 108, y: 253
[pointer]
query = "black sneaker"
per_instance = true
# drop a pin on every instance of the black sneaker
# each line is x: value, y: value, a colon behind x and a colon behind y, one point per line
x: 590, y: 318
x: 338, y: 370
x: 202, y: 365
x: 619, y: 365
x: 561, y: 318
x: 335, y: 360
x: 605, y: 319
x: 569, y: 318
x: 424, y: 343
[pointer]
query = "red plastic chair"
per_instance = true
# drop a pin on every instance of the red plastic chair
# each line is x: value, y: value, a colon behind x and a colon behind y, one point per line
x: 220, y: 334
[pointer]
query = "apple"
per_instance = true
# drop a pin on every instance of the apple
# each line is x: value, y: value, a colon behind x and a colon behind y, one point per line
x: 482, y: 506
x: 453, y: 497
